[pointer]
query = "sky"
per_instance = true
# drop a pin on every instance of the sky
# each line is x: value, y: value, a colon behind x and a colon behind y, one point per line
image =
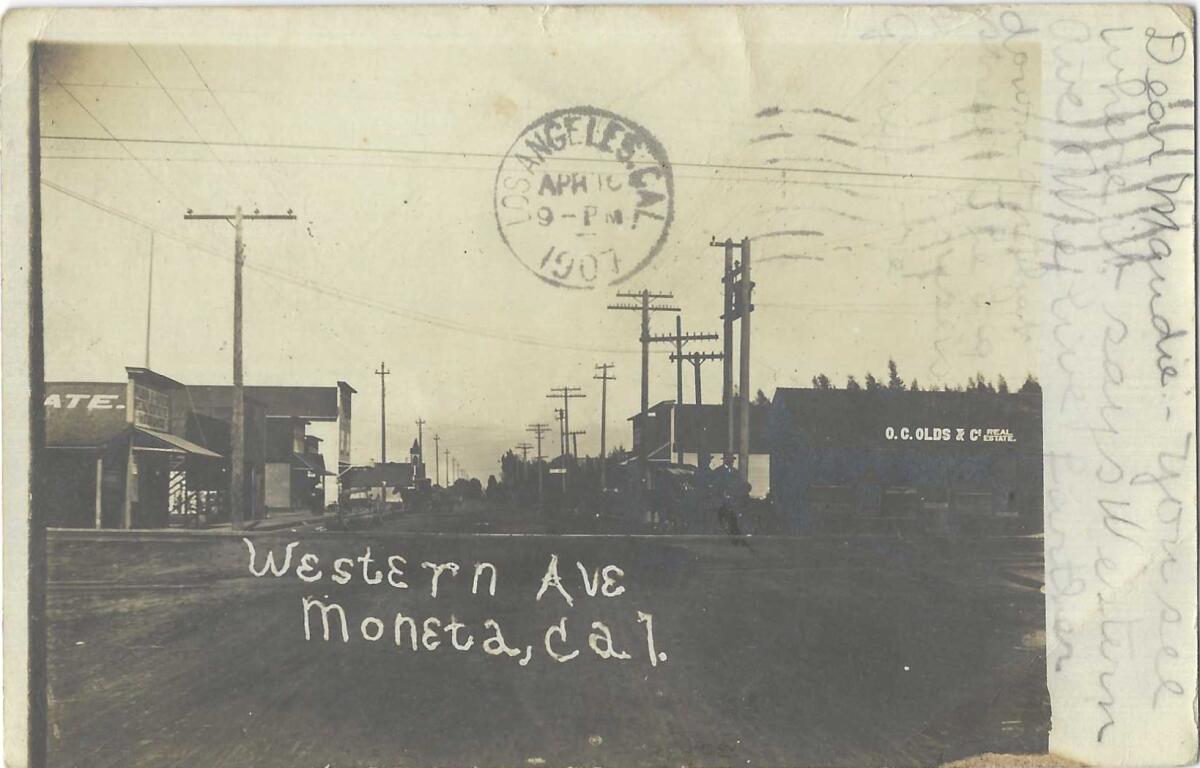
x: 883, y: 182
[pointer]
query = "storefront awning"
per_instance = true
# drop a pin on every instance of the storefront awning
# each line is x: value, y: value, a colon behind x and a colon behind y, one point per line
x: 310, y: 463
x: 165, y: 441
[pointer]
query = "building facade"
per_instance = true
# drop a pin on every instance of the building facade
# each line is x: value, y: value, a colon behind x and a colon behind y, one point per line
x: 698, y: 436
x: 880, y: 460
x: 117, y: 453
x: 151, y: 452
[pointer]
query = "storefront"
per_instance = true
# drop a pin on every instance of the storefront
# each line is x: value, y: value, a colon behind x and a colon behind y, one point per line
x: 885, y: 460
x: 117, y: 455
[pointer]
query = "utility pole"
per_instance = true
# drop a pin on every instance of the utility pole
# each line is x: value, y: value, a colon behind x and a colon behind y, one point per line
x: 727, y: 355
x: 149, y: 297
x: 447, y: 452
x: 437, y: 465
x: 383, y: 371
x: 575, y: 441
x: 562, y: 433
x: 604, y: 378
x: 697, y: 359
x: 538, y: 430
x: 237, y: 429
x: 645, y: 306
x: 567, y: 394
x: 679, y: 339
x: 738, y: 306
x: 524, y: 449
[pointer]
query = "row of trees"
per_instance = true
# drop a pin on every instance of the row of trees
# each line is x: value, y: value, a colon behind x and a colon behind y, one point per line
x: 978, y: 383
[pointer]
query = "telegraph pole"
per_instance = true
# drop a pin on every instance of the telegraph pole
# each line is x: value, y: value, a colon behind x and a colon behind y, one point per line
x: 524, y: 449
x: 149, y: 297
x: 562, y: 434
x: 697, y: 359
x: 383, y: 371
x: 237, y: 429
x: 604, y: 378
x: 645, y: 306
x: 437, y: 465
x: 567, y: 394
x: 575, y: 440
x: 727, y: 356
x: 738, y: 306
x: 447, y: 452
x: 679, y: 339
x: 538, y: 430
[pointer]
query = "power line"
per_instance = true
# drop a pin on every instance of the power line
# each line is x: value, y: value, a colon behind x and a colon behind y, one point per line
x: 120, y: 143
x: 498, y: 156
x: 224, y: 112
x: 311, y: 285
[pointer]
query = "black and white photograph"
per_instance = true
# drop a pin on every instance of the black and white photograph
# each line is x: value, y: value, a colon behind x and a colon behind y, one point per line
x: 553, y: 386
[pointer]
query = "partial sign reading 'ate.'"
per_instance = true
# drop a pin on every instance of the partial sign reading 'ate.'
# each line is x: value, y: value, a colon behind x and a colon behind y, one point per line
x: 327, y: 620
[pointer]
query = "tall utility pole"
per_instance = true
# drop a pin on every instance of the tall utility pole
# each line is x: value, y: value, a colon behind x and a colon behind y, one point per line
x: 562, y: 433
x: 727, y: 355
x: 383, y: 371
x: 645, y: 306
x: 149, y: 297
x: 697, y: 359
x: 738, y: 306
x: 567, y: 394
x: 237, y: 429
x: 575, y: 440
x: 437, y: 465
x: 679, y: 339
x: 447, y: 454
x: 538, y: 430
x: 524, y: 449
x: 604, y: 378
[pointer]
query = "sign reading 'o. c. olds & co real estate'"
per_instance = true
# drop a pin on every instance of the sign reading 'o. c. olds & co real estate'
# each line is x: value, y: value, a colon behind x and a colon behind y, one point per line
x: 949, y: 434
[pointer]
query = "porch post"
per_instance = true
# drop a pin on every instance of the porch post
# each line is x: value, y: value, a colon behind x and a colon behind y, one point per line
x: 99, y: 492
x: 127, y: 515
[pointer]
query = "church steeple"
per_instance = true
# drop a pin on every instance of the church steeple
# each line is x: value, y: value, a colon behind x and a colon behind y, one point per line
x: 418, y: 464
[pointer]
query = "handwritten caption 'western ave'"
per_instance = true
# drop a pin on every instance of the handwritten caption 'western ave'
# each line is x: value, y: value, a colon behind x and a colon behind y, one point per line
x: 328, y: 621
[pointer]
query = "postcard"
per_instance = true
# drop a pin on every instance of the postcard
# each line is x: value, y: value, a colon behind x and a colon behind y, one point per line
x: 622, y: 386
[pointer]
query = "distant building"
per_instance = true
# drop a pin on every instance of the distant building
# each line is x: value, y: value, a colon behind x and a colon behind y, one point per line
x: 294, y: 471
x: 151, y: 452
x: 417, y: 460
x: 700, y: 434
x: 393, y: 481
x: 387, y: 481
x: 869, y: 460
